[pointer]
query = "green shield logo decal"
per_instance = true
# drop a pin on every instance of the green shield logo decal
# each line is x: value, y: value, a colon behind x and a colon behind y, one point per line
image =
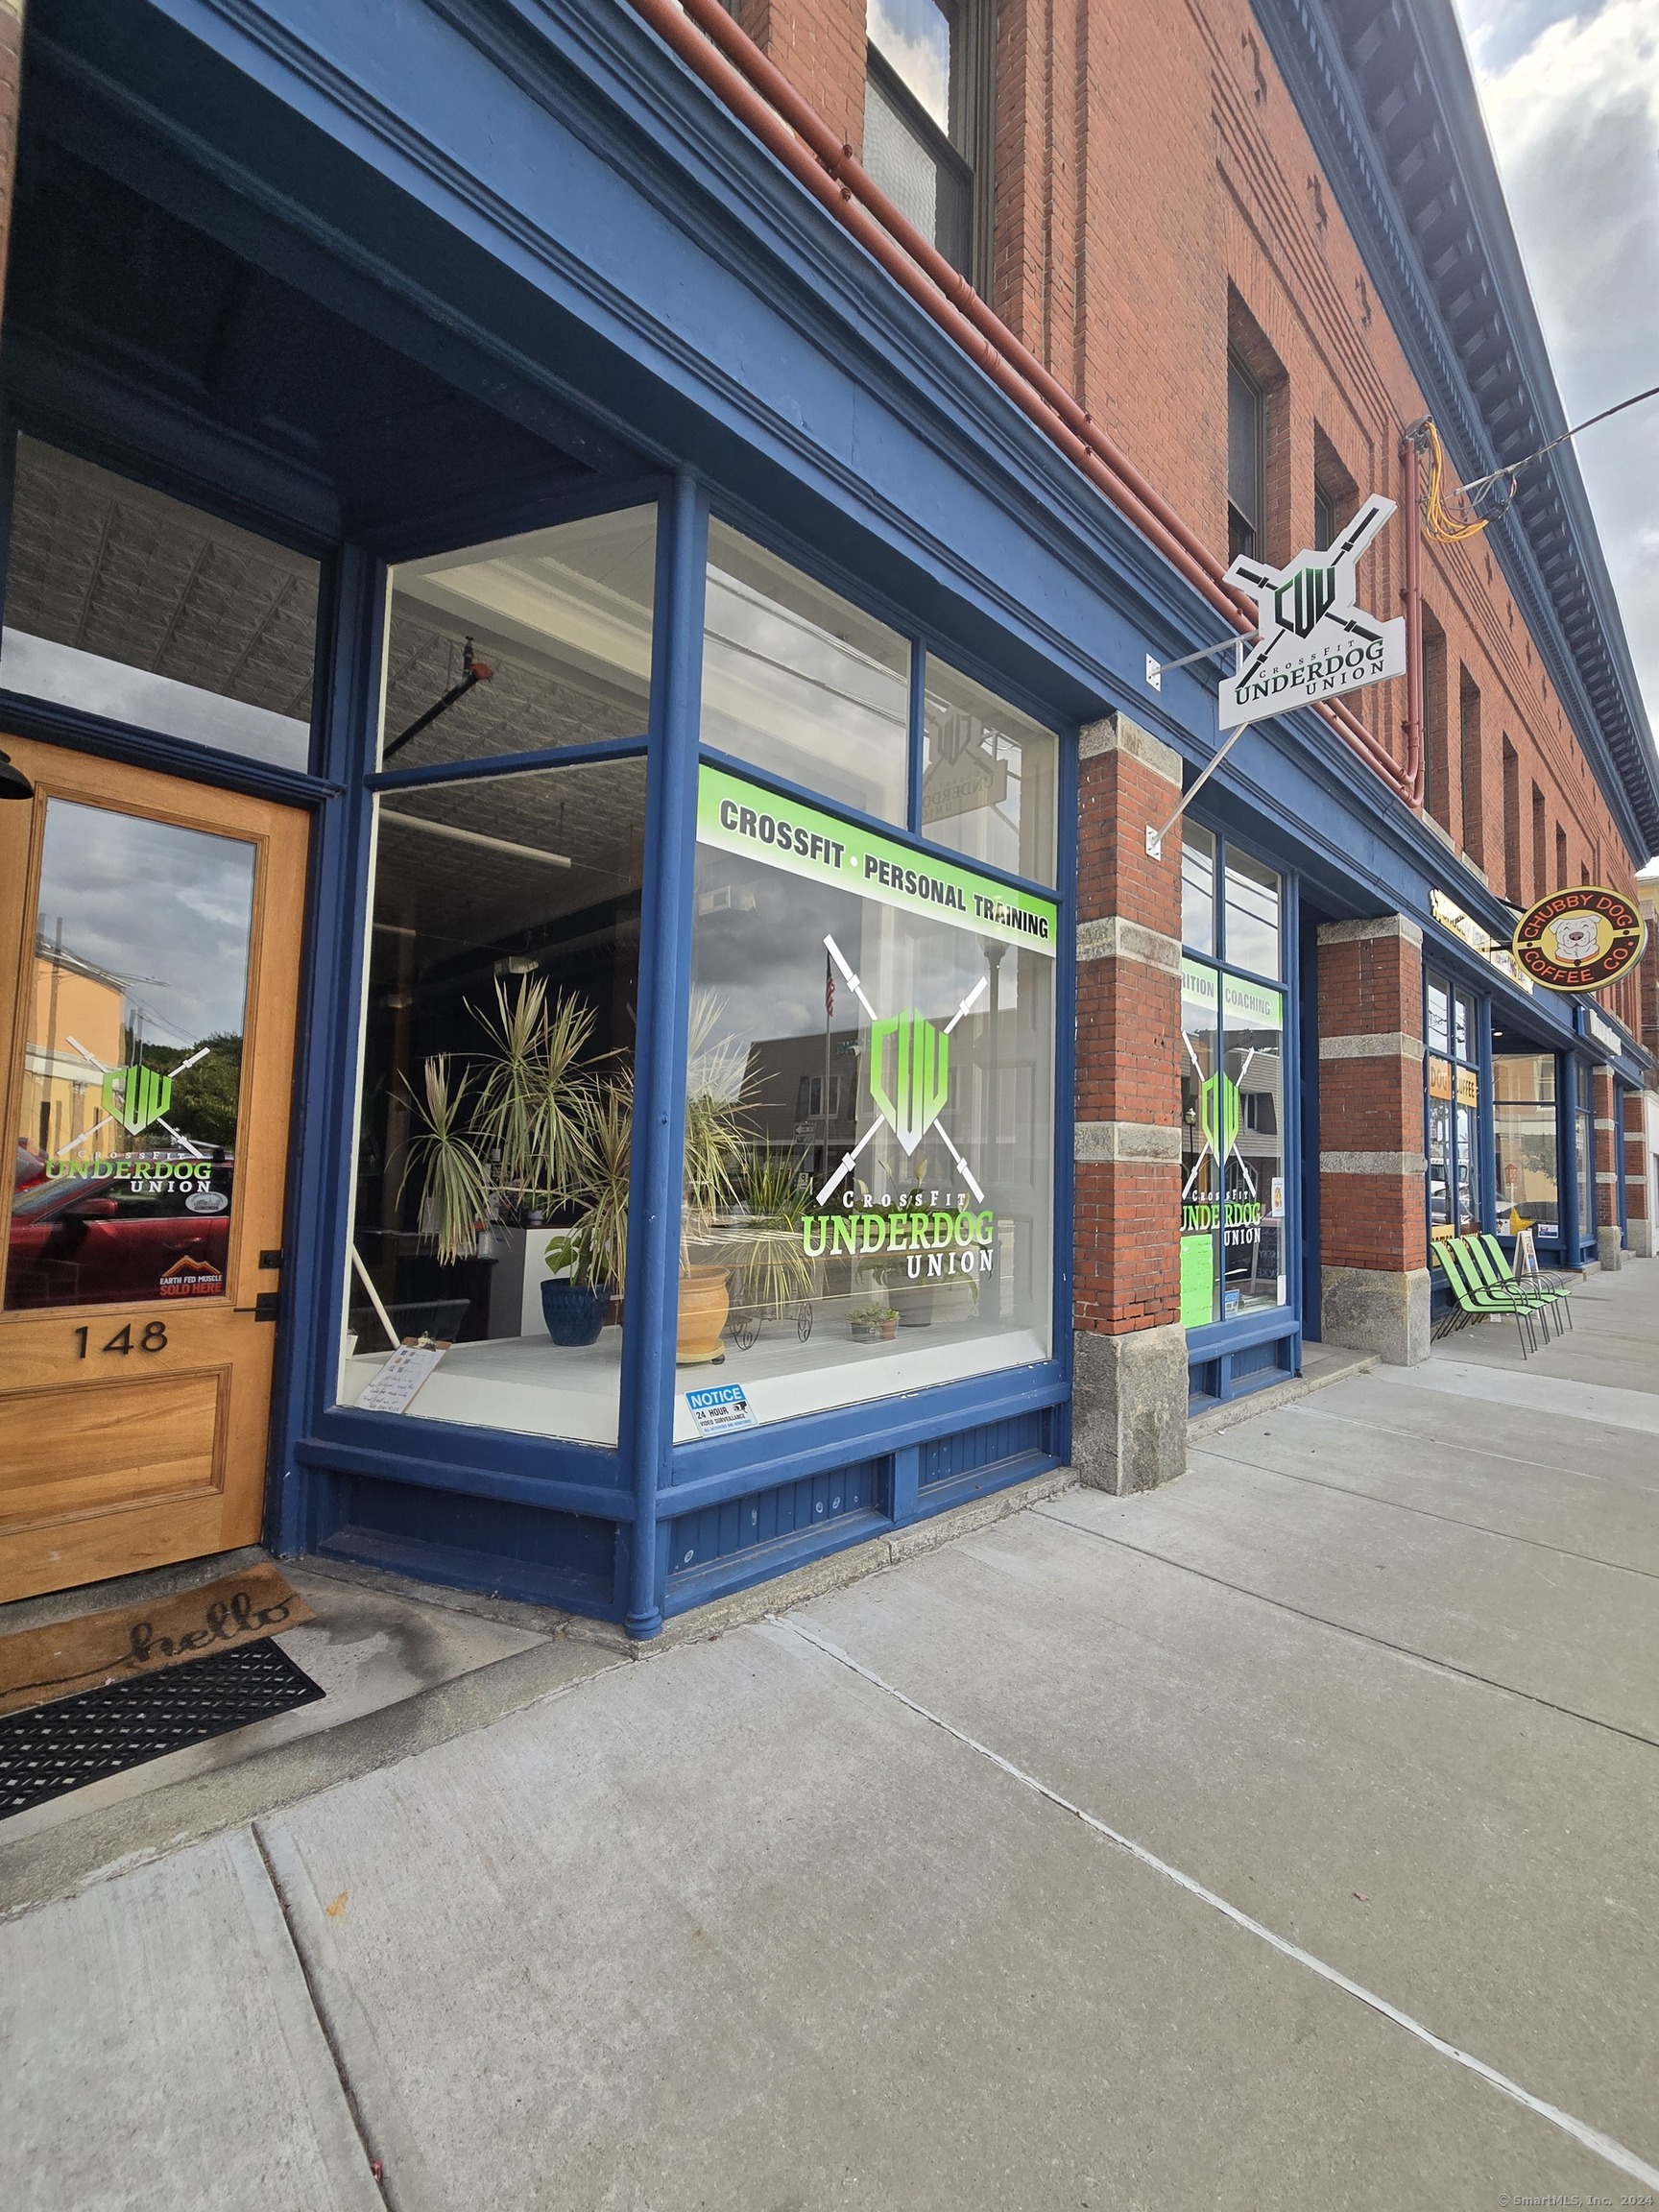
x: 913, y: 1098
x: 137, y: 1096
x: 1218, y: 1114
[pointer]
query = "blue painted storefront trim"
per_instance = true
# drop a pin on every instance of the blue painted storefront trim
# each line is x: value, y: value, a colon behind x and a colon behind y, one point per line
x: 509, y: 763
x: 648, y: 1378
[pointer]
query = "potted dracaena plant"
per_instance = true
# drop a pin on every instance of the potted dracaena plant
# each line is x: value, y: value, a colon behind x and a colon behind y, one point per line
x: 525, y: 1127
x: 522, y: 1128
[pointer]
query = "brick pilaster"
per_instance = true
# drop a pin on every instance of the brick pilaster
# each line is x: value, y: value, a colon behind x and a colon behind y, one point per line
x: 1128, y: 1035
x: 1131, y: 1352
x: 1639, y: 1193
x: 1604, y: 1099
x: 1373, y: 1239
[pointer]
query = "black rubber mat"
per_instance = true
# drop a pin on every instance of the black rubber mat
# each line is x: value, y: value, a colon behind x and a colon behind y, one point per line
x: 50, y: 1749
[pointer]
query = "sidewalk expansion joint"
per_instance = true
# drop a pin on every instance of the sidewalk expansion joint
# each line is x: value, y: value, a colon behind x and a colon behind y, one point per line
x: 1427, y: 1513
x: 1593, y: 2139
x: 325, y: 2027
x: 1466, y: 1450
x: 1358, y: 1635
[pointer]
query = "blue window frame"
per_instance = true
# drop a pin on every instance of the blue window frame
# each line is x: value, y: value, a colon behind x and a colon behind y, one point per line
x: 1240, y: 1256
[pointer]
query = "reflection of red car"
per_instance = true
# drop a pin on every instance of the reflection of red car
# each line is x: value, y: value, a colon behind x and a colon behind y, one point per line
x: 93, y: 1241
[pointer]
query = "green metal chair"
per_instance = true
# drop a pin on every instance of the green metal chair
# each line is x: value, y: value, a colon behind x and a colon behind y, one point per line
x: 1497, y: 1270
x: 1477, y: 1301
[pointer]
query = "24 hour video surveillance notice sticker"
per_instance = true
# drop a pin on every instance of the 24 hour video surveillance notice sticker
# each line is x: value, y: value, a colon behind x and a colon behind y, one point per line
x: 1579, y: 940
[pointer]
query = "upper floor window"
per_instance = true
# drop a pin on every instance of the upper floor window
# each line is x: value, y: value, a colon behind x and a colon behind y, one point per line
x: 1246, y: 473
x: 925, y: 126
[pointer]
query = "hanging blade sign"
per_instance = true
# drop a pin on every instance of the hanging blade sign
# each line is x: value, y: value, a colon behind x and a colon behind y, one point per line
x: 1313, y: 641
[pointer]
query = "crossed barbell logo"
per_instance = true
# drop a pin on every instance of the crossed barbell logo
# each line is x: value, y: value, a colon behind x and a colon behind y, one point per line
x: 911, y: 1101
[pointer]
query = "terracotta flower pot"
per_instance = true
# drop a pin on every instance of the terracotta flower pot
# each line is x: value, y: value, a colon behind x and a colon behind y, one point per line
x: 704, y: 1305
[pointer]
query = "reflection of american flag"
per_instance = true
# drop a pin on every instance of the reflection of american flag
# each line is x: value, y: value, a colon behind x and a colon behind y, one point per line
x: 828, y: 986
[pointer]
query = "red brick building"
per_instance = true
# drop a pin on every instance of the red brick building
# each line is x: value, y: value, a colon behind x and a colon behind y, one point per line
x: 716, y: 533
x: 1199, y: 287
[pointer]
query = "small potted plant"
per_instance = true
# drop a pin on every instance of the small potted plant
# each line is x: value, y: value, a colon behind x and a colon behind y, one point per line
x: 887, y: 1323
x: 864, y: 1323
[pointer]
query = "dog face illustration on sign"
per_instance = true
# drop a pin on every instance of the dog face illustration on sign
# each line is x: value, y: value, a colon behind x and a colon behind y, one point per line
x: 1314, y: 642
x: 1575, y: 938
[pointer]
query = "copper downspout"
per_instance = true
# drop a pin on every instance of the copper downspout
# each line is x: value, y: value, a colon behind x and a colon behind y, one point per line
x: 716, y: 49
x: 1412, y: 594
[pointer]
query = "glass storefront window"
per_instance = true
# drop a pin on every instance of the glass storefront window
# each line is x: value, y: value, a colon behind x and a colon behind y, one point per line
x: 1452, y: 1108
x: 1232, y: 1183
x: 1523, y: 1122
x: 534, y: 642
x: 132, y: 1062
x: 1584, y: 1141
x: 1200, y: 1166
x: 869, y: 1114
x: 801, y: 683
x: 1250, y: 925
x: 124, y: 603
x: 988, y: 777
x: 1198, y: 888
x: 496, y: 1108
x: 1438, y: 1026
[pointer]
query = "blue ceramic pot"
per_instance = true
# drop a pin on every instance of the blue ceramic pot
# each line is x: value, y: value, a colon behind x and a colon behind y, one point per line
x: 574, y: 1313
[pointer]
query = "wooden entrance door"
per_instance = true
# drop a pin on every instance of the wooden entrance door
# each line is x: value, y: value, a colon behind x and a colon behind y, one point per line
x: 149, y: 973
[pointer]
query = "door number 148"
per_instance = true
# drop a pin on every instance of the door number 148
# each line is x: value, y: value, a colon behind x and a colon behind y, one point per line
x: 152, y: 1339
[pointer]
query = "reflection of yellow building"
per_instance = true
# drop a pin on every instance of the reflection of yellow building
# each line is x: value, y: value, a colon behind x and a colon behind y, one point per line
x: 75, y: 1003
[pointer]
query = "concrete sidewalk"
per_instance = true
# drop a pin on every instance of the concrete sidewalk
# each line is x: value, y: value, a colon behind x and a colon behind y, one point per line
x: 1284, y: 1837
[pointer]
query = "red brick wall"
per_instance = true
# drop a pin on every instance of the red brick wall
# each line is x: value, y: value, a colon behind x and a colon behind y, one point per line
x: 820, y: 47
x: 1128, y: 1083
x: 1606, y: 1156
x: 1371, y: 1096
x: 1637, y: 1165
x: 1151, y: 178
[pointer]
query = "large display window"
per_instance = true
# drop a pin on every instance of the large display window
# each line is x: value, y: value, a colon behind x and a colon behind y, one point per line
x: 1525, y: 1142
x: 1452, y: 1108
x: 1234, y: 1178
x: 868, y: 1045
x: 869, y: 1114
x: 490, y: 1217
x: 800, y: 682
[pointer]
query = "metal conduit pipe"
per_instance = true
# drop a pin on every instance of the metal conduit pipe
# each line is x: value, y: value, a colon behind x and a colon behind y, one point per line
x: 717, y: 50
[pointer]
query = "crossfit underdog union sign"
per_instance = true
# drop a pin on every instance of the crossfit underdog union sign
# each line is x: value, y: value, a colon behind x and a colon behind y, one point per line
x: 1579, y: 940
x: 1314, y: 641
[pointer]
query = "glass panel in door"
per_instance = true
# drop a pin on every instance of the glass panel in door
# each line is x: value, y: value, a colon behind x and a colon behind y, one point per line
x: 132, y: 1062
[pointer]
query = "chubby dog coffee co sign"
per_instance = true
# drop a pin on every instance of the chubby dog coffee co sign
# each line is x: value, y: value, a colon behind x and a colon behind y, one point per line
x: 1579, y: 940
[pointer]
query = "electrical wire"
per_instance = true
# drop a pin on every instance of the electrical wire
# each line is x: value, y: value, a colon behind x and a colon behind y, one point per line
x: 1514, y: 468
x: 1441, y: 524
x: 1449, y: 520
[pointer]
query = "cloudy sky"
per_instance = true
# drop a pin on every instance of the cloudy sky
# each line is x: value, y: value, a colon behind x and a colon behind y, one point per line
x: 1572, y: 101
